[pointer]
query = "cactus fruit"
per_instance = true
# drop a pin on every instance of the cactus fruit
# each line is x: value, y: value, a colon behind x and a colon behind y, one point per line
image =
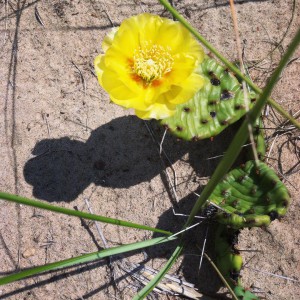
x: 213, y: 108
x: 229, y: 261
x: 250, y: 196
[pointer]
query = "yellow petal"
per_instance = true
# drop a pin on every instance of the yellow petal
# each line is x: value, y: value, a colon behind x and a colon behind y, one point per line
x: 187, y: 89
x: 107, y: 42
x: 156, y: 111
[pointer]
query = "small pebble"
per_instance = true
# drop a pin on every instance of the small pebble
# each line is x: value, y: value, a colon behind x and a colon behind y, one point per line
x: 28, y: 252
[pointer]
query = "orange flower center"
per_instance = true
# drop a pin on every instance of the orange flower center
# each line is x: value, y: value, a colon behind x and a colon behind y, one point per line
x: 152, y: 62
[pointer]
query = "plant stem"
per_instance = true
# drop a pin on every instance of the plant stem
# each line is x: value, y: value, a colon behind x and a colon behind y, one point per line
x: 221, y: 276
x: 226, y: 62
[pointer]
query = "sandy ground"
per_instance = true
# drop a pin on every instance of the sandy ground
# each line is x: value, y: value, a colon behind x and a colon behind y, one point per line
x: 63, y: 142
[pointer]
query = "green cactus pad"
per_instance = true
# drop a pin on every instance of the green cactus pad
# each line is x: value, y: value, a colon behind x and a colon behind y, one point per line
x: 229, y: 261
x: 250, y: 196
x: 243, y: 294
x: 213, y: 108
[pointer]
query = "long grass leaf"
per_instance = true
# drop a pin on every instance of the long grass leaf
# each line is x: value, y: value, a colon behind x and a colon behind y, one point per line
x: 84, y: 259
x: 71, y: 212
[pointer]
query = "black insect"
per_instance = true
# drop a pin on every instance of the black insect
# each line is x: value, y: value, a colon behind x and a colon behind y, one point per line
x: 210, y: 211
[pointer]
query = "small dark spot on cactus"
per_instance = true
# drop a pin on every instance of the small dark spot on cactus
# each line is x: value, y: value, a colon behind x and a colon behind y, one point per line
x: 235, y: 203
x: 257, y: 171
x: 226, y: 70
x: 253, y: 100
x: 213, y: 102
x: 241, y: 178
x: 186, y: 109
x: 273, y: 215
x: 226, y: 95
x: 251, y: 211
x: 225, y: 193
x: 213, y: 114
x: 285, y: 203
x: 234, y: 275
x: 223, y: 201
x: 196, y: 138
x: 256, y: 130
x: 215, y: 81
x: 211, y: 73
x: 224, y: 122
x: 239, y: 106
x: 226, y: 215
x: 204, y: 121
x: 166, y: 126
x: 250, y: 221
x: 253, y: 191
x: 273, y: 182
x: 243, y: 166
x: 179, y: 128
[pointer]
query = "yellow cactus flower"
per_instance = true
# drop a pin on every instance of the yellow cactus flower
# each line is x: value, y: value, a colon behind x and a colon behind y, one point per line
x: 149, y: 65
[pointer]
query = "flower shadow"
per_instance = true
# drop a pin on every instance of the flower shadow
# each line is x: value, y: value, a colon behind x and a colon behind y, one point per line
x: 119, y: 154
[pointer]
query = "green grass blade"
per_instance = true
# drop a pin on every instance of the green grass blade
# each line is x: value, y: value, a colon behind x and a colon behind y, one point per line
x: 226, y: 62
x: 152, y: 284
x: 71, y: 212
x: 84, y: 259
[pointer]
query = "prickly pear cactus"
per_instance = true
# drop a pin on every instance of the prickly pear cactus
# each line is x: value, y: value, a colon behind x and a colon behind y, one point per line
x: 243, y: 294
x: 229, y: 261
x: 213, y: 108
x: 250, y: 196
